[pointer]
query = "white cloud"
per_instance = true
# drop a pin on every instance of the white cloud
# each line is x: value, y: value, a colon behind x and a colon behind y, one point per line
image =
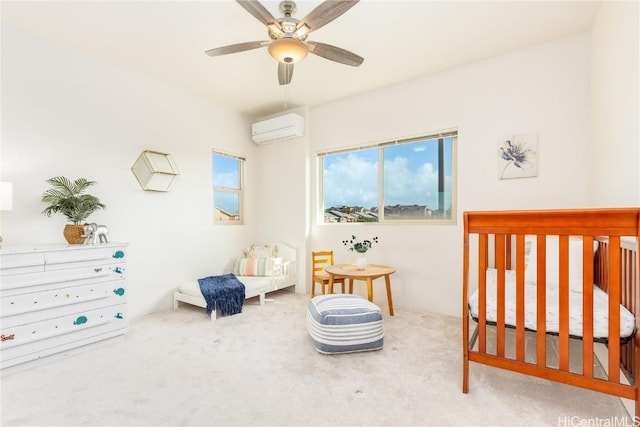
x: 406, y: 187
x: 351, y: 180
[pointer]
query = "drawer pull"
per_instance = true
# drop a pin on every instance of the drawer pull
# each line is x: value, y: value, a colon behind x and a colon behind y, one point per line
x: 117, y: 270
x: 80, y: 320
x: 118, y: 254
x: 97, y: 269
x: 119, y: 291
x: 10, y: 337
x: 119, y: 316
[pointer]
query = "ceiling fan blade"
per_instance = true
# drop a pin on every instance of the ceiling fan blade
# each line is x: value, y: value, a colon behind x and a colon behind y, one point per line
x: 285, y: 73
x: 234, y: 48
x: 259, y: 11
x: 325, y: 13
x: 334, y: 53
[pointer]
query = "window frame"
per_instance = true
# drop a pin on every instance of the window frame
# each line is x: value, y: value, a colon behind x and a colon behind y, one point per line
x: 240, y: 190
x: 449, y: 133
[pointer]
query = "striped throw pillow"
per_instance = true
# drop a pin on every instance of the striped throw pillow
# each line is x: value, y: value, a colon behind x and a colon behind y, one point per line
x: 260, y: 266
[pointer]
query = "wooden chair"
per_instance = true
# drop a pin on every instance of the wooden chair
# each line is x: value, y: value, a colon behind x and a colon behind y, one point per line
x: 319, y: 261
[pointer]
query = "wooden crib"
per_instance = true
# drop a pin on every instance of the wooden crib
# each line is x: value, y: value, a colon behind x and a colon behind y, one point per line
x: 513, y: 317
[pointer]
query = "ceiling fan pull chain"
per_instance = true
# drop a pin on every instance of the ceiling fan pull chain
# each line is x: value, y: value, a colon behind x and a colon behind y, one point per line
x: 286, y: 97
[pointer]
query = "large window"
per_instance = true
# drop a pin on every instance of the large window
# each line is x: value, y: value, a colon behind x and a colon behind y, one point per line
x: 227, y: 188
x: 414, y: 183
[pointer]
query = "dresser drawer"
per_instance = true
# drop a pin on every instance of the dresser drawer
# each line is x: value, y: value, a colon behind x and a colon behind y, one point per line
x: 28, y: 341
x: 33, y: 282
x: 83, y: 256
x: 20, y: 263
x: 36, y: 306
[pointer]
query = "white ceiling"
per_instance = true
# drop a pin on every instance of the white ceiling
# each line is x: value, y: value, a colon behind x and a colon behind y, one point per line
x: 400, y: 40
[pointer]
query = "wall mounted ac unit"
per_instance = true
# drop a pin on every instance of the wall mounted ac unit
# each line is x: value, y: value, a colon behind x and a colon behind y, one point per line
x: 278, y: 128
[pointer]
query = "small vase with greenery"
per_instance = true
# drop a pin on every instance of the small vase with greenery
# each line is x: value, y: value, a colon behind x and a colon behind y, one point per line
x: 70, y: 199
x: 361, y: 247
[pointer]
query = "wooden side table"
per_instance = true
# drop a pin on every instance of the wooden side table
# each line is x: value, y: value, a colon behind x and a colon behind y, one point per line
x: 368, y: 274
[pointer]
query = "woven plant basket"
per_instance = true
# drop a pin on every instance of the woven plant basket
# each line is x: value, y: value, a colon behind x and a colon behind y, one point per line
x: 73, y: 233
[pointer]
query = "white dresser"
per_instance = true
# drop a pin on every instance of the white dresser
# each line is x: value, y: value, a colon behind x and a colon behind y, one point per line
x: 56, y: 299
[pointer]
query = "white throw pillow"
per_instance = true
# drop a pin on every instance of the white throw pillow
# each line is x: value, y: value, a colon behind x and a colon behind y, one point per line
x: 265, y: 251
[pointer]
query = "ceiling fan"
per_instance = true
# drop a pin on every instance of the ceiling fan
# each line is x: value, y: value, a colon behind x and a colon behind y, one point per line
x: 288, y: 36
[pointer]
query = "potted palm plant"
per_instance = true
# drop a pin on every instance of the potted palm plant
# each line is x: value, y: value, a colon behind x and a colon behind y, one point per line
x: 70, y: 199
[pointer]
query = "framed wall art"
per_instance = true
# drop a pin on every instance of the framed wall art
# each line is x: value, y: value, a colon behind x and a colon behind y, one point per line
x: 518, y: 156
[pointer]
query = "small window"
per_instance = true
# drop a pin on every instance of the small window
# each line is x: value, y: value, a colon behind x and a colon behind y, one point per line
x: 415, y: 182
x: 227, y: 188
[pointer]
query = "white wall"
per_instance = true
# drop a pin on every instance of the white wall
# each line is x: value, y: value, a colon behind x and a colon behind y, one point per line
x: 615, y: 105
x: 282, y: 196
x: 543, y: 89
x: 64, y: 113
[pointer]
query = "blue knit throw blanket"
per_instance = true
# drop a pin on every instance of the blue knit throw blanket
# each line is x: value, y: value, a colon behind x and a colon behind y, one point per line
x: 225, y: 293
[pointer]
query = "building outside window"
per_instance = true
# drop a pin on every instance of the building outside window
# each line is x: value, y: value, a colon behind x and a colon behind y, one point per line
x: 227, y: 188
x: 409, y: 180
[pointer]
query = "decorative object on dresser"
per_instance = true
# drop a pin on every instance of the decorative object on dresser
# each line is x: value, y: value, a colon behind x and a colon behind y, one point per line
x: 155, y: 171
x: 94, y: 233
x: 262, y: 269
x: 69, y: 198
x: 56, y: 299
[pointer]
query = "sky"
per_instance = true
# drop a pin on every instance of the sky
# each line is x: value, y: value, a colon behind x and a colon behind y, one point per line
x: 410, y: 176
x: 226, y: 173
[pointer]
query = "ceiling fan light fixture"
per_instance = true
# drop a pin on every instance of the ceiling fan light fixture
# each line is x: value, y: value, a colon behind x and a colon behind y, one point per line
x: 288, y: 50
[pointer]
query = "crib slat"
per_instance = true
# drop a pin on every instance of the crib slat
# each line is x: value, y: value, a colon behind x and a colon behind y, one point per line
x: 563, y: 304
x: 633, y: 365
x: 627, y: 300
x: 465, y: 308
x: 541, y: 308
x: 628, y: 266
x: 482, y: 293
x: 587, y: 306
x: 500, y: 323
x: 630, y: 278
x: 520, y: 341
x: 603, y: 271
x: 509, y: 262
x: 614, y: 309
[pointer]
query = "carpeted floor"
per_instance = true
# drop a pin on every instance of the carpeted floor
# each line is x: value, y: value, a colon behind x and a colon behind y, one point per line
x: 260, y: 368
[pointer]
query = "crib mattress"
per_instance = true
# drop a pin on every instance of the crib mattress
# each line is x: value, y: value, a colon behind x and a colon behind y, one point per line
x: 600, y: 308
x: 254, y: 285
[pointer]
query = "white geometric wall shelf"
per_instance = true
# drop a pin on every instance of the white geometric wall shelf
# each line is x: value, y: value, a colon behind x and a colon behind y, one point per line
x: 155, y: 171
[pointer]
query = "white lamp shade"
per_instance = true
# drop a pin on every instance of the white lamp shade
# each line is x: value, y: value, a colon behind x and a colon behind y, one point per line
x: 6, y: 196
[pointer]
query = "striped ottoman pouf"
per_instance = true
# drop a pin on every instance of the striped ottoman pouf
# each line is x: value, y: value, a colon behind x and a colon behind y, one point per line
x: 344, y: 323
